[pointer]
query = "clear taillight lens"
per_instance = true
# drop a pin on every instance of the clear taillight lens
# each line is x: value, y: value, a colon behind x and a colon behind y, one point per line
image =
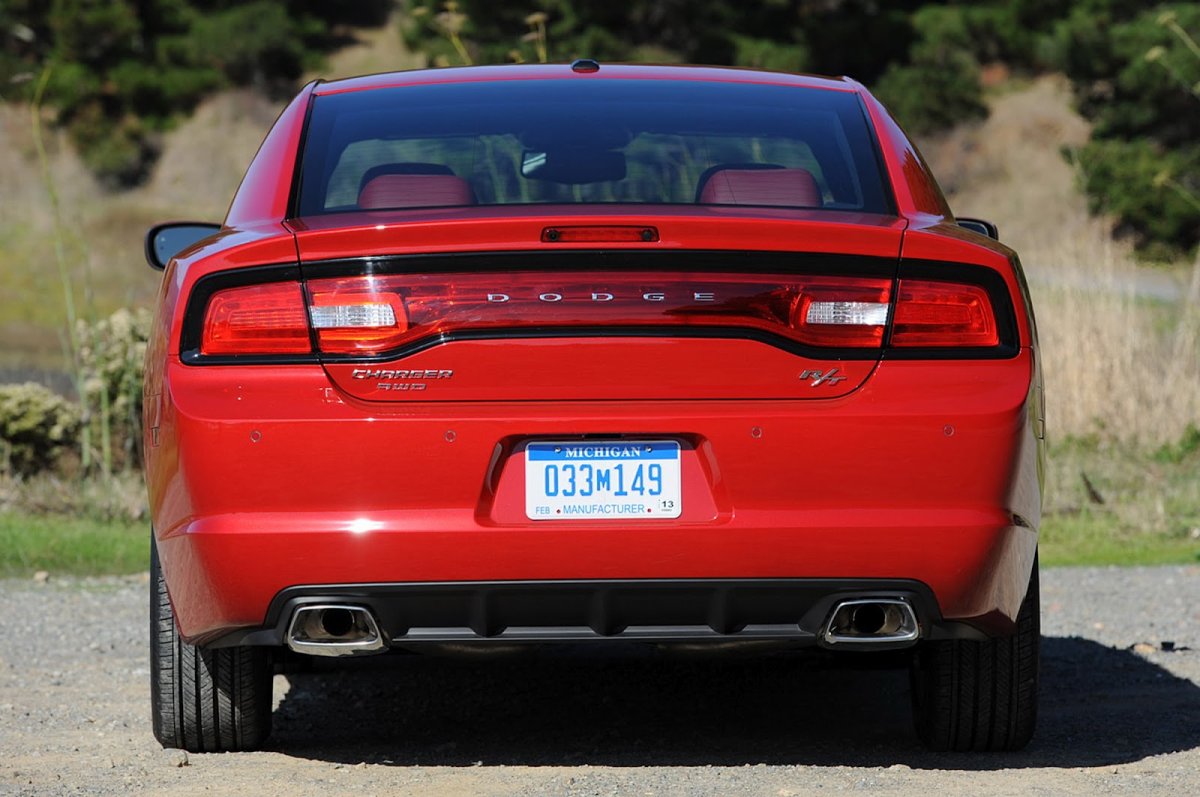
x: 357, y: 314
x: 257, y: 319
x: 849, y: 313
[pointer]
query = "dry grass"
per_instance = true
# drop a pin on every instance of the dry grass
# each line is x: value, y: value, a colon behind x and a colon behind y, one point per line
x: 121, y: 497
x: 1118, y: 366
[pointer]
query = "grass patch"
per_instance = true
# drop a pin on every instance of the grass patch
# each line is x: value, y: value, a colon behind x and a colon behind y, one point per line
x: 1175, y: 453
x: 1110, y: 503
x: 1091, y: 539
x: 79, y: 546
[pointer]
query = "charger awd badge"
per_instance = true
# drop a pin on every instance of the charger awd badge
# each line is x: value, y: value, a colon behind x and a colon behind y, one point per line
x: 819, y: 378
x: 411, y: 381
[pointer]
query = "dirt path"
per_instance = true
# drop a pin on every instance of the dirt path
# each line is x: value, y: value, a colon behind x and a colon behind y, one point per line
x: 1120, y: 713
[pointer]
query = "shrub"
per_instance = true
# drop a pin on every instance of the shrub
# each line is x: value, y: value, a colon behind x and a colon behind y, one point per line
x: 931, y: 96
x: 36, y: 426
x: 1175, y: 453
x: 111, y: 352
x: 1154, y: 192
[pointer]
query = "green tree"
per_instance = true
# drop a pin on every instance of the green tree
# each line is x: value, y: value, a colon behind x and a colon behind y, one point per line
x: 1137, y: 78
x: 122, y: 71
x: 794, y: 35
x: 940, y: 84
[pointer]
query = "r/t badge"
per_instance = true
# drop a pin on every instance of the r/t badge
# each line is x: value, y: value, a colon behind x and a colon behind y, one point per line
x: 819, y: 378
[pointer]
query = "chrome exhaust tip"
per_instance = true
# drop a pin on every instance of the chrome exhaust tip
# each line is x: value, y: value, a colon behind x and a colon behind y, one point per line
x: 875, y: 621
x: 334, y: 630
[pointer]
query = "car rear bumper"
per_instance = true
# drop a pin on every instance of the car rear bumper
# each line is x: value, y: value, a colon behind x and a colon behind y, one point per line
x: 234, y: 578
x: 680, y: 611
x: 273, y: 481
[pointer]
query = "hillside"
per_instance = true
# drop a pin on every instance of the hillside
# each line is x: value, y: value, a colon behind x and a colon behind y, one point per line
x: 201, y: 164
x: 1119, y: 339
x: 1011, y: 169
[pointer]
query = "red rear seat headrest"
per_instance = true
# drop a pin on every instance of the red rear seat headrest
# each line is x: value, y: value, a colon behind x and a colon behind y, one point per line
x: 415, y: 191
x: 783, y: 187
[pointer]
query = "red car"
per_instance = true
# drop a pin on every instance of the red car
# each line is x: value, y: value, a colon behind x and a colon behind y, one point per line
x: 589, y: 354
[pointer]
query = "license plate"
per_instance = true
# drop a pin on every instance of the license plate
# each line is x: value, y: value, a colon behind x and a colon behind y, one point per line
x: 602, y: 480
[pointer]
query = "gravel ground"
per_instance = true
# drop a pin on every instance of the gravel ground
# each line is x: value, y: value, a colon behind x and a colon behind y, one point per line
x: 1120, y: 712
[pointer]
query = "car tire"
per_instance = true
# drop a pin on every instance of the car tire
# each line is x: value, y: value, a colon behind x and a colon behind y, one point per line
x: 203, y: 700
x: 980, y: 696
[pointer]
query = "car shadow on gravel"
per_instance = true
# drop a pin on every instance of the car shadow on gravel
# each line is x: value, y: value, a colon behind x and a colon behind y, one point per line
x: 1100, y: 706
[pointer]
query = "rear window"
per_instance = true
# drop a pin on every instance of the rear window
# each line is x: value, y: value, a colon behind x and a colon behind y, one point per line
x: 607, y: 141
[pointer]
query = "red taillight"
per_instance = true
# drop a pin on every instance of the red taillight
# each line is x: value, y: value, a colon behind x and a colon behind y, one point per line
x: 943, y: 314
x: 257, y: 319
x: 378, y: 314
x: 814, y: 311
